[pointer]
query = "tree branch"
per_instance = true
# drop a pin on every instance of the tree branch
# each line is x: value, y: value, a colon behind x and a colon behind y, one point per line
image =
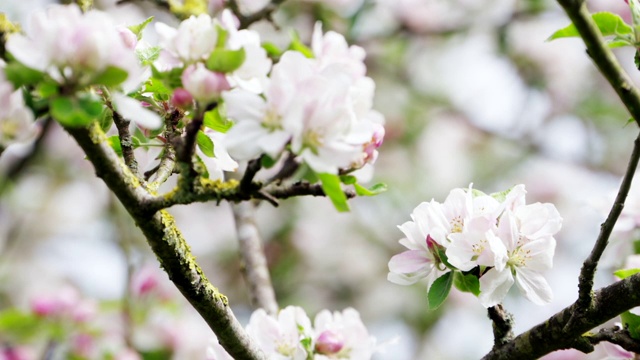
x: 126, y: 143
x: 553, y: 334
x: 588, y: 271
x: 617, y: 336
x: 502, y: 325
x: 254, y: 262
x: 247, y: 20
x: 167, y: 243
x: 602, y: 56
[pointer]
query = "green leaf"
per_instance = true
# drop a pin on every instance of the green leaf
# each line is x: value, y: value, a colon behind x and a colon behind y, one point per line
x: 223, y: 35
x: 632, y: 323
x: 267, y: 162
x: 205, y: 144
x: 618, y: 42
x: 20, y: 324
x: 111, y: 76
x: 331, y: 187
x: 272, y: 49
x: 372, y: 191
x: 298, y: 45
x: 114, y: 142
x: 225, y: 61
x: 160, y: 354
x: 170, y: 79
x: 148, y: 55
x: 625, y: 273
x: 348, y: 179
x: 75, y: 112
x: 467, y: 283
x: 608, y: 23
x: 20, y: 75
x: 106, y: 120
x: 213, y: 120
x: 47, y: 89
x: 137, y: 29
x: 158, y: 89
x: 439, y: 290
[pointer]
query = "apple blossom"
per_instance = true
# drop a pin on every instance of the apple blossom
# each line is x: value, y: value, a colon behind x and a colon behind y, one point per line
x: 342, y: 335
x: 193, y: 41
x: 16, y: 120
x: 73, y: 47
x: 221, y: 162
x: 279, y: 337
x: 203, y: 84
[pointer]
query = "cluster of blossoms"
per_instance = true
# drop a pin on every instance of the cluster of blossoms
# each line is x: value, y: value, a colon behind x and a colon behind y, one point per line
x: 496, y: 238
x: 290, y: 335
x: 320, y: 106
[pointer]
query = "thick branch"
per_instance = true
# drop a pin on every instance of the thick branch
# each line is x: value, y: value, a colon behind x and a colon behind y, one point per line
x: 589, y: 267
x: 254, y: 262
x: 502, y: 325
x: 616, y: 336
x: 168, y: 244
x: 602, y: 56
x: 553, y: 334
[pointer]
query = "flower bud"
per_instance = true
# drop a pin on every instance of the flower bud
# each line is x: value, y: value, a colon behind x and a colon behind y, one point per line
x: 329, y: 342
x: 203, y: 84
x: 181, y: 98
x: 129, y: 39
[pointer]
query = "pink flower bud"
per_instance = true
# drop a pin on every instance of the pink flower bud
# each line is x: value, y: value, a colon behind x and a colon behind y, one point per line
x: 45, y: 306
x: 129, y: 39
x: 203, y: 84
x: 329, y: 342
x: 144, y: 281
x: 16, y: 353
x: 181, y: 98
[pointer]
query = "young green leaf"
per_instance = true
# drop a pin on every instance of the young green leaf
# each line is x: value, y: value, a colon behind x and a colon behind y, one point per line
x: 205, y: 144
x: 272, y: 49
x: 20, y: 324
x: 298, y: 45
x: 213, y: 120
x: 439, y: 290
x: 267, y: 162
x: 467, y: 283
x: 148, y: 55
x: 625, y: 273
x: 372, y: 191
x: 111, y: 76
x: 137, y: 29
x: 608, y: 23
x: 225, y: 61
x: 20, y: 75
x: 114, y: 142
x: 331, y: 187
x: 632, y: 323
x: 348, y: 179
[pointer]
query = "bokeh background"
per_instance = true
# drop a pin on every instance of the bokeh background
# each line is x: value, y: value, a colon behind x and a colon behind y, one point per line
x: 471, y: 92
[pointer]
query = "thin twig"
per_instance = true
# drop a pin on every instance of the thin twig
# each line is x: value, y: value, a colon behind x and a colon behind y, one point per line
x: 288, y: 168
x: 126, y: 142
x: 247, y: 20
x: 19, y: 165
x: 502, y: 325
x: 254, y: 262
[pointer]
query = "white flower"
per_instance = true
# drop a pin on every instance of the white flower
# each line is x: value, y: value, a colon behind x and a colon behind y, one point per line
x: 421, y: 260
x: 280, y: 337
x: 331, y: 50
x: 215, y: 351
x: 477, y: 245
x: 221, y: 162
x: 16, y: 120
x: 203, y: 84
x: 342, y: 335
x: 252, y: 74
x: 133, y: 110
x: 193, y: 41
x: 527, y: 235
x: 73, y: 47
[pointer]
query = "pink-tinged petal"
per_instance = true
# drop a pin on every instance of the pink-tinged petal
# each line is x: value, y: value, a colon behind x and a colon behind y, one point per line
x: 616, y: 352
x: 508, y: 230
x: 540, y: 253
x: 538, y: 220
x: 133, y: 110
x: 402, y: 279
x: 244, y: 106
x: 494, y: 286
x: 460, y: 252
x: 415, y: 239
x: 25, y: 51
x: 498, y: 250
x: 534, y: 286
x: 410, y: 261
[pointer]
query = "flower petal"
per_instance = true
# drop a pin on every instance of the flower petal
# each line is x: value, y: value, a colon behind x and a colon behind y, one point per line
x: 494, y: 286
x: 534, y: 286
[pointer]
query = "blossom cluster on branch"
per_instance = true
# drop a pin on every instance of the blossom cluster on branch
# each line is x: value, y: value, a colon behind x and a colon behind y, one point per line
x: 482, y: 243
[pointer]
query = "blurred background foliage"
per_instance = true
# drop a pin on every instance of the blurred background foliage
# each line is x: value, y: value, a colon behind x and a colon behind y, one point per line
x: 471, y: 92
